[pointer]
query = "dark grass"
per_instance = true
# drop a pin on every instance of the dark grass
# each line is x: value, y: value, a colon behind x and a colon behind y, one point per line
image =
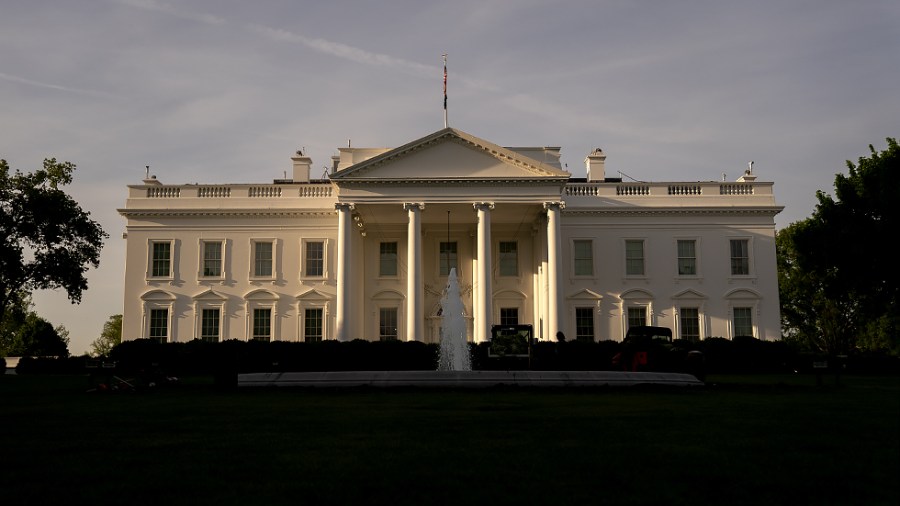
x: 738, y: 440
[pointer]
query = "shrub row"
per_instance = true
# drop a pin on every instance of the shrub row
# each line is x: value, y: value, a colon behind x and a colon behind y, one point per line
x: 722, y: 356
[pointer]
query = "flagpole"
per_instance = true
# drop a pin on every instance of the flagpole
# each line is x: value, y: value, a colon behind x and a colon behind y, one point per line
x: 445, y: 91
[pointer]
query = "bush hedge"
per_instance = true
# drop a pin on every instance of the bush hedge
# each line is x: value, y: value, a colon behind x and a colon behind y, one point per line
x: 224, y: 360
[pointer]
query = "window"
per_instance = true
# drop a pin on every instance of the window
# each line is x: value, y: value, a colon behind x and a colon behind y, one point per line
x: 584, y: 324
x: 448, y: 258
x: 211, y: 266
x: 634, y: 258
x: 315, y: 259
x: 583, y: 257
x: 743, y: 321
x: 262, y: 324
x: 637, y: 316
x: 689, y: 322
x: 387, y: 260
x: 509, y: 316
x: 161, y: 259
x: 159, y: 325
x: 262, y: 259
x: 312, y: 325
x: 509, y: 258
x: 209, y: 325
x: 387, y: 324
x: 687, y: 257
x: 740, y: 257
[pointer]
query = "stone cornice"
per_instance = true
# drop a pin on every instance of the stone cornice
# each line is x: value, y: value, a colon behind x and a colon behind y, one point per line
x: 648, y: 211
x: 379, y: 181
x: 253, y: 213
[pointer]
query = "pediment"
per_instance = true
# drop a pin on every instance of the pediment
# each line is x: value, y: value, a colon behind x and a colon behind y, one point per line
x: 210, y: 295
x: 450, y: 154
x: 689, y: 294
x: 585, y: 294
x: 313, y: 295
x: 742, y: 293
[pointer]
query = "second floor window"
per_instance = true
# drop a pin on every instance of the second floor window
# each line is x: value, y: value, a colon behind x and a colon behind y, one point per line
x: 387, y: 260
x: 161, y: 259
x: 315, y: 258
x: 212, y: 259
x: 509, y: 258
x: 447, y: 258
x: 583, y: 257
x: 740, y: 257
x: 634, y: 258
x: 687, y: 258
x: 262, y: 259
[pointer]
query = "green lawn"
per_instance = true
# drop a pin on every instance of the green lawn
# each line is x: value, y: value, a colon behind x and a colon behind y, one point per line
x: 739, y: 440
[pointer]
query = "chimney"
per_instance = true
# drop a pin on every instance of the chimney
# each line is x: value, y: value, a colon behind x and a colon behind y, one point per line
x: 596, y: 166
x: 302, y: 165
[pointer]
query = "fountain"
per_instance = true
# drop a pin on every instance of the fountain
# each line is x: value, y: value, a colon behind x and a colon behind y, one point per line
x: 454, y: 354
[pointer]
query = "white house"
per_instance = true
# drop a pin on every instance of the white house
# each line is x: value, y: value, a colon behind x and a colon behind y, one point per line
x: 365, y: 253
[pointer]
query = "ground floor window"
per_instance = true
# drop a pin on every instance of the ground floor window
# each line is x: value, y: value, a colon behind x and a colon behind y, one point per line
x: 209, y: 325
x: 509, y: 316
x: 312, y: 325
x: 387, y: 324
x: 637, y: 316
x: 262, y: 324
x: 689, y: 323
x: 743, y: 321
x: 584, y: 324
x: 159, y: 325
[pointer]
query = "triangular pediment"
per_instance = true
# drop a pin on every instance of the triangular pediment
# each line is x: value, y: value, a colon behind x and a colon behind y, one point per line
x: 450, y: 154
x: 585, y: 294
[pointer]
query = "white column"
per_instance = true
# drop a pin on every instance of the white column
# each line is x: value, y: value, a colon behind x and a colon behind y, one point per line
x: 415, y: 289
x: 342, y: 314
x: 553, y: 254
x: 482, y: 311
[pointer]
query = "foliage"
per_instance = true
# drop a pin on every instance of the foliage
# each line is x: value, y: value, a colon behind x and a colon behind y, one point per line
x: 109, y: 338
x: 839, y: 286
x: 46, y: 240
x: 23, y: 333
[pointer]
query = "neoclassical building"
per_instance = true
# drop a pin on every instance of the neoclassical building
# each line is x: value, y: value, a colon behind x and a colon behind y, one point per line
x: 366, y: 252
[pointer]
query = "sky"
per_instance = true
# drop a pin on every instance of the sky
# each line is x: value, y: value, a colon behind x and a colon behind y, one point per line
x: 225, y: 91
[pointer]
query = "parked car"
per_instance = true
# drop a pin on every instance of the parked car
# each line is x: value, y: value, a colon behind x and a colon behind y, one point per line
x: 649, y: 348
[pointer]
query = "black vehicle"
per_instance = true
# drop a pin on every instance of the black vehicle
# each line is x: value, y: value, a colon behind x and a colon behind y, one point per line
x: 648, y: 348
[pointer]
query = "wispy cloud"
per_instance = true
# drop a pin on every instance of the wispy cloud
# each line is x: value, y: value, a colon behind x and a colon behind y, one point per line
x: 152, y: 5
x: 57, y: 87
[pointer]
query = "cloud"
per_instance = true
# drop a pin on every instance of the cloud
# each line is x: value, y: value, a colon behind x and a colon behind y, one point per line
x: 152, y: 5
x: 67, y: 89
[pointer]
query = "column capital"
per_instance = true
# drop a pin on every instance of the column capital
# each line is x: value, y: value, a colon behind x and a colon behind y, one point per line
x: 344, y: 206
x: 413, y: 205
x: 483, y: 205
x: 558, y: 204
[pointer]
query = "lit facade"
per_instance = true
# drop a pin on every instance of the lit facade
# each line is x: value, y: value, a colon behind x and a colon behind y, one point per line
x: 365, y: 253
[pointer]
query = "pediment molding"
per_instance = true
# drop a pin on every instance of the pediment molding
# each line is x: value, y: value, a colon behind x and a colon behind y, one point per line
x: 364, y: 171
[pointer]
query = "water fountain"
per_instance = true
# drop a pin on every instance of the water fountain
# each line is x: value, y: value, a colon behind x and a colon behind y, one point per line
x: 454, y: 355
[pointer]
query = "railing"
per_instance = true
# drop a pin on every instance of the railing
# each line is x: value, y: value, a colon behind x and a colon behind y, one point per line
x: 214, y: 192
x: 710, y: 188
x: 163, y: 192
x: 304, y: 191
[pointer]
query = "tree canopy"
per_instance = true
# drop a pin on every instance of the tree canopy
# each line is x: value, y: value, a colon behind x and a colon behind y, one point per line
x: 837, y: 277
x: 47, y: 241
x: 109, y: 337
x: 25, y: 334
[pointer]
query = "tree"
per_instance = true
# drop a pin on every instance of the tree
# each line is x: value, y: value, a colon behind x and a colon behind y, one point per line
x: 46, y: 239
x: 109, y: 338
x: 837, y: 277
x: 25, y: 334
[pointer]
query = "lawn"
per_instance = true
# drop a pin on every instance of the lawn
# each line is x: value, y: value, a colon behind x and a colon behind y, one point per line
x: 738, y: 440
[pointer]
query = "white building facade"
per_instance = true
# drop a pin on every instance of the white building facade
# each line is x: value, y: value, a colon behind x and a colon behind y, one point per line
x: 365, y: 253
